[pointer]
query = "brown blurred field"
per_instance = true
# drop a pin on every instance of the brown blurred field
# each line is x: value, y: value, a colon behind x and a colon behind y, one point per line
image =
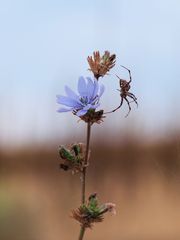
x: 143, y: 179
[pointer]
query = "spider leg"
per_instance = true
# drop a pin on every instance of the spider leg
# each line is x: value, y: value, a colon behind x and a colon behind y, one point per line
x: 128, y: 106
x: 118, y: 77
x: 130, y: 77
x: 117, y: 107
x: 133, y: 97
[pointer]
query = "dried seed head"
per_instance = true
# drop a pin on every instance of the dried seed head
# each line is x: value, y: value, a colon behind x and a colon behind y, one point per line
x: 101, y: 65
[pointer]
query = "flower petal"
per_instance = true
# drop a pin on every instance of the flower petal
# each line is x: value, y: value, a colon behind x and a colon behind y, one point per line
x: 90, y: 88
x: 102, y: 88
x: 71, y: 94
x: 95, y: 100
x: 87, y: 107
x: 95, y: 106
x: 96, y: 88
x: 64, y: 109
x: 81, y: 112
x: 82, y: 87
x: 68, y: 101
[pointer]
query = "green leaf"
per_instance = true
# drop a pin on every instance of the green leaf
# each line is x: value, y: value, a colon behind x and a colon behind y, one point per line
x: 76, y: 149
x: 66, y: 154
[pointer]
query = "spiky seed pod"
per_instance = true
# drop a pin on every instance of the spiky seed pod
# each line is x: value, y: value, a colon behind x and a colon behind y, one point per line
x: 91, y: 212
x: 85, y: 219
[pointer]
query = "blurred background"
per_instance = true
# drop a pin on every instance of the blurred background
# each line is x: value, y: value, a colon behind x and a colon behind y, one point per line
x: 135, y: 161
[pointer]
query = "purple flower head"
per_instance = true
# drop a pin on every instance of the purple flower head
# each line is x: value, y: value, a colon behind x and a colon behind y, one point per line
x: 89, y: 95
x: 88, y: 98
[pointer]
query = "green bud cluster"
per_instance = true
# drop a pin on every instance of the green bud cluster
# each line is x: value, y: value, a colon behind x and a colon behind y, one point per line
x: 73, y: 157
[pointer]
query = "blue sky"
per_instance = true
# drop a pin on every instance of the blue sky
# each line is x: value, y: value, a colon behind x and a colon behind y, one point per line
x: 44, y: 45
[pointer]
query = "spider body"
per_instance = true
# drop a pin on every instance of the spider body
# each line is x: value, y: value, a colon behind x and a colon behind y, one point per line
x: 124, y: 85
x: 124, y: 92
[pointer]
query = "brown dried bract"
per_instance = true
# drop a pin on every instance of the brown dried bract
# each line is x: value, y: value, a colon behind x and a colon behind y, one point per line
x: 101, y: 65
x: 93, y: 117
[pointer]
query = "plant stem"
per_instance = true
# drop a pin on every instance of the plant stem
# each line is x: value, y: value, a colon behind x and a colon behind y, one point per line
x: 81, y: 234
x: 83, y: 193
x: 85, y: 162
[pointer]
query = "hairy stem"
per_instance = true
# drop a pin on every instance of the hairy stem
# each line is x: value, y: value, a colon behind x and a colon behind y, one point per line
x: 83, y: 193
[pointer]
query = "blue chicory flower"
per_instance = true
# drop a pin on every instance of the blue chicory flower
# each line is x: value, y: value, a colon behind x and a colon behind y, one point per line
x: 89, y: 95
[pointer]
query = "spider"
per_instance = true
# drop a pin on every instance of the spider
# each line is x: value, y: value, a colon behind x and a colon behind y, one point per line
x: 124, y: 92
